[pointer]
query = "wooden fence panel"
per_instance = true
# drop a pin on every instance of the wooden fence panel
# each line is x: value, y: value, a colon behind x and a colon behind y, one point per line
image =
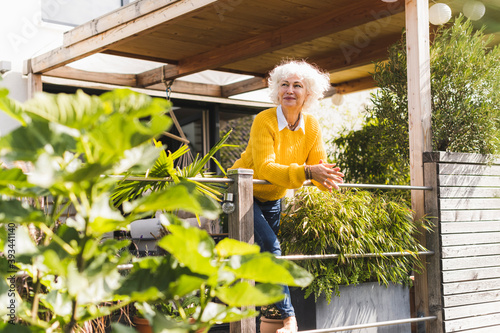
x: 468, y: 200
x: 471, y: 274
x: 473, y: 298
x: 470, y: 251
x: 470, y: 215
x: 471, y: 310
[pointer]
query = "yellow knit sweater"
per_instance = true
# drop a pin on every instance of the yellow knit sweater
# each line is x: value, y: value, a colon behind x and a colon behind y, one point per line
x: 279, y: 156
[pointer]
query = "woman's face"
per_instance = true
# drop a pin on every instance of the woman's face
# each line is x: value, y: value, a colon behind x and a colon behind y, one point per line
x: 292, y: 92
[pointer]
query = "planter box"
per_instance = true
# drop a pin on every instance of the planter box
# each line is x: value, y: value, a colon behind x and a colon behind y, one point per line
x: 357, y: 304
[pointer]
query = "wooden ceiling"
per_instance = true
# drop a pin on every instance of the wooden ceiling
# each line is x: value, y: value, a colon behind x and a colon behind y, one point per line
x: 344, y: 37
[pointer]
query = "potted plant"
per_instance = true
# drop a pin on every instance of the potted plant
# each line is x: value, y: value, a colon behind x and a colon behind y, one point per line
x: 270, y: 319
x: 343, y: 223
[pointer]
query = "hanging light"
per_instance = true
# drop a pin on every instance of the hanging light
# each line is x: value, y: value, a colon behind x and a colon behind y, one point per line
x: 338, y: 99
x: 439, y: 14
x: 474, y: 10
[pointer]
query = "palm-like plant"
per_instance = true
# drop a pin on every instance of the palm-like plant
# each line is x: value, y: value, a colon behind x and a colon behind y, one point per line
x: 164, y: 172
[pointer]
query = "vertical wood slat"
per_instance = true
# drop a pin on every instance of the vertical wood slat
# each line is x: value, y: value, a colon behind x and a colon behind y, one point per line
x: 240, y: 226
x: 419, y: 111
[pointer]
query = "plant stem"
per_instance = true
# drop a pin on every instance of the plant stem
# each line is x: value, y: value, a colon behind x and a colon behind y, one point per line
x: 36, y: 297
x: 182, y: 313
x: 72, y: 323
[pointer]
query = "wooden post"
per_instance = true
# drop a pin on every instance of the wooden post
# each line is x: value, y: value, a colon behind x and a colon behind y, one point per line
x: 34, y: 80
x: 419, y: 110
x: 434, y: 267
x: 240, y: 226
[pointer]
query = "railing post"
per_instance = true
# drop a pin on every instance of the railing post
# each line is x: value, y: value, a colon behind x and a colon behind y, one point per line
x: 240, y: 226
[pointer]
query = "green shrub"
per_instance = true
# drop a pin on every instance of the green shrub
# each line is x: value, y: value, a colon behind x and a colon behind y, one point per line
x: 350, y: 222
x: 465, y: 89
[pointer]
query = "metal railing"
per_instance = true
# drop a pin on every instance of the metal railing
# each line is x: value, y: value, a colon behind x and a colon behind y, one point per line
x: 234, y: 183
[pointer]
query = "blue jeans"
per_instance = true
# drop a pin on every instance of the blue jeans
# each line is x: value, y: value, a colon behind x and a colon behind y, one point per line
x: 266, y: 226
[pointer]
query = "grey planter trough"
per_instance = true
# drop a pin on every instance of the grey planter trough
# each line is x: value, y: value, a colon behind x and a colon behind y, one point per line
x: 358, y: 304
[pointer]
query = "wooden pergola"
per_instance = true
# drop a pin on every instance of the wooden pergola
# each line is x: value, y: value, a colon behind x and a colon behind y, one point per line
x: 344, y: 37
x: 247, y: 37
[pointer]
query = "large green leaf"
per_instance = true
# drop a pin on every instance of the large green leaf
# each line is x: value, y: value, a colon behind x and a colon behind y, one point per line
x: 77, y: 111
x: 11, y: 107
x: 59, y: 302
x: 230, y: 247
x: 193, y: 247
x: 183, y: 196
x: 120, y: 328
x: 266, y: 268
x: 155, y: 277
x: 103, y: 217
x: 6, y: 327
x: 16, y: 211
x: 133, y: 104
x: 26, y: 143
x: 245, y: 294
x: 91, y: 289
x: 119, y: 133
x: 13, y: 182
x: 220, y: 313
x: 5, y: 297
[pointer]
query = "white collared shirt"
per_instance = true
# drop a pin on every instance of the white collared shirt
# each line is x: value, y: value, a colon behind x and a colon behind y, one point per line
x: 282, y: 123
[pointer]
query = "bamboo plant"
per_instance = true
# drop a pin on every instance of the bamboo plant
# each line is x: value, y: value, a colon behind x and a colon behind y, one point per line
x: 351, y: 222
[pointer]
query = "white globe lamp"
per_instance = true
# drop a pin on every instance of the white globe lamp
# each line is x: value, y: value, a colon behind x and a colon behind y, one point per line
x: 337, y: 99
x: 439, y: 14
x: 474, y: 10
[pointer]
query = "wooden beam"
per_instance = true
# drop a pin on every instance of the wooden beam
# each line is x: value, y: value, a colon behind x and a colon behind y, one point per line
x: 133, y: 29
x: 342, y: 18
x: 354, y: 85
x: 419, y: 110
x: 157, y: 75
x: 252, y: 84
x: 130, y: 80
x: 108, y: 21
x: 140, y: 56
x: 108, y: 78
x: 349, y: 56
x: 192, y: 88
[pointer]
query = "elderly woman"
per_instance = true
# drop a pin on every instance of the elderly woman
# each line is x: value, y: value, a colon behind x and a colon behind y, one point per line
x: 286, y: 149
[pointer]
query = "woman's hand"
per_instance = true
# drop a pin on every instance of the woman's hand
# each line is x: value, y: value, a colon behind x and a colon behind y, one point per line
x: 327, y: 175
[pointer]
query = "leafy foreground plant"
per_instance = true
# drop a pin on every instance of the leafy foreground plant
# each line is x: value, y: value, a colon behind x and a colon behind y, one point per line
x: 54, y: 276
x: 350, y: 222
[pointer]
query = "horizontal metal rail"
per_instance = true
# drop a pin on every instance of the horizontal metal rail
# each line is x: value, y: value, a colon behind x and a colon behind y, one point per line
x: 381, y: 186
x: 156, y: 179
x: 364, y: 255
x: 377, y: 324
x: 331, y: 256
x: 265, y: 182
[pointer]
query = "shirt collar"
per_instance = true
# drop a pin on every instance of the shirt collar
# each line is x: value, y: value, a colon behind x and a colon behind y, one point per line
x: 282, y: 123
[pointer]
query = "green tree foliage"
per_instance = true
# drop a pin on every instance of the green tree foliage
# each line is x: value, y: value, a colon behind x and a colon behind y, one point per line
x: 465, y: 88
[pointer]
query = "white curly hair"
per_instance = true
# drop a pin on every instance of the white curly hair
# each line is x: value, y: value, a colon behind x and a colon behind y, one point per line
x: 316, y: 81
